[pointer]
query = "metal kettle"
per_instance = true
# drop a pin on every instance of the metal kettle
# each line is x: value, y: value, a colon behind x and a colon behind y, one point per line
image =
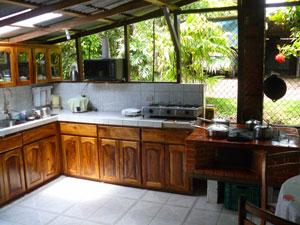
x: 74, y: 75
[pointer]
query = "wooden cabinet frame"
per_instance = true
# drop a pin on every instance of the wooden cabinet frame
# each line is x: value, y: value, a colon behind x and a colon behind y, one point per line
x: 30, y: 66
x: 10, y: 51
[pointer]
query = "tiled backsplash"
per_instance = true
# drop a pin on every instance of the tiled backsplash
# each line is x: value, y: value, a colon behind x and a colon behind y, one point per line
x: 19, y: 98
x: 115, y: 97
x: 110, y: 96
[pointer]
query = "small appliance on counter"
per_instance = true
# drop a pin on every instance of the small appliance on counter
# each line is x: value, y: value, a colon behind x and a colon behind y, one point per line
x: 55, y: 102
x: 131, y: 112
x: 78, y: 104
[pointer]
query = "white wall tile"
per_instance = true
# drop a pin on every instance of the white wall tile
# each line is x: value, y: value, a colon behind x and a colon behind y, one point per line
x: 162, y: 87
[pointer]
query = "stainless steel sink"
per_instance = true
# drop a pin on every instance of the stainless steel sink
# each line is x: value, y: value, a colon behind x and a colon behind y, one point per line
x: 9, y: 123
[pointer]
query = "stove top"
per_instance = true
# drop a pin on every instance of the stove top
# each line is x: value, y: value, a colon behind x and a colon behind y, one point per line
x: 172, y: 111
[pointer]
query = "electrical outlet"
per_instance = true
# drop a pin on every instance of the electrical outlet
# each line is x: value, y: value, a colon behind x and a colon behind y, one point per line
x: 149, y: 98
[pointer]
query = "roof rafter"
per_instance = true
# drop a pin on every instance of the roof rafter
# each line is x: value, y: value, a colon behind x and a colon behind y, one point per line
x: 75, y: 22
x: 34, y: 6
x: 164, y: 3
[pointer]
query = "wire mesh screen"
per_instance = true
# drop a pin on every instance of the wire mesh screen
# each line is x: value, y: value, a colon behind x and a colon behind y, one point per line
x: 223, y: 95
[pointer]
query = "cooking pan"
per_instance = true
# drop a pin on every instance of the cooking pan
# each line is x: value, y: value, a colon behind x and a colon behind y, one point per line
x: 216, y: 120
x: 215, y: 130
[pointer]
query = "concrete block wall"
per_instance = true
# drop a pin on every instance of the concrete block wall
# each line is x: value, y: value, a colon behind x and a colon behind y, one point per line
x: 115, y: 97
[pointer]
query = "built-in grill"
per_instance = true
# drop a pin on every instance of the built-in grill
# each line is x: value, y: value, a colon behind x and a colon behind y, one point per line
x: 172, y: 111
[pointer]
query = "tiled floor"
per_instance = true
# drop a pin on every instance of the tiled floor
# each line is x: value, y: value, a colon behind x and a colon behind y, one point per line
x: 71, y: 201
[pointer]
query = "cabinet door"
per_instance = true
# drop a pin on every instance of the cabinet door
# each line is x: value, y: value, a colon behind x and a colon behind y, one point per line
x: 2, y: 193
x: 40, y: 65
x: 7, y: 67
x: 130, y: 162
x: 71, y: 157
x: 33, y: 164
x: 13, y: 173
x: 24, y: 70
x: 50, y: 157
x: 175, y: 163
x: 55, y: 64
x: 109, y: 164
x: 153, y: 165
x: 89, y: 165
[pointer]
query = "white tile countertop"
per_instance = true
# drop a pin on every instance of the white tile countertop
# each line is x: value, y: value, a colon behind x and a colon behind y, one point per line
x: 104, y: 118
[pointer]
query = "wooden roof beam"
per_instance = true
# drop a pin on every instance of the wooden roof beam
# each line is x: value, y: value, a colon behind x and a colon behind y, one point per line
x: 164, y: 3
x: 135, y: 4
x: 39, y: 11
x: 171, y: 28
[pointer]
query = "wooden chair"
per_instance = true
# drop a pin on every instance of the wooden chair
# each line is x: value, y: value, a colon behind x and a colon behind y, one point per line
x: 283, y: 162
x: 246, y: 207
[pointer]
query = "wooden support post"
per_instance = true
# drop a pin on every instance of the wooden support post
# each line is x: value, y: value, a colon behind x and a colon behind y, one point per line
x: 251, y: 59
x: 171, y: 28
x: 127, y: 56
x: 79, y: 59
x: 178, y: 54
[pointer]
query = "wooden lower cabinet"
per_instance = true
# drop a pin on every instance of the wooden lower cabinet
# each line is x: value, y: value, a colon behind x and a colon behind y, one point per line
x: 175, y: 162
x: 89, y: 166
x: 2, y: 193
x: 42, y: 161
x: 153, y: 159
x: 80, y: 156
x: 13, y: 173
x: 130, y: 166
x: 109, y: 160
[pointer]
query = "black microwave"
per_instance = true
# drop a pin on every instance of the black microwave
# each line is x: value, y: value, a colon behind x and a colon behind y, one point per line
x: 104, y: 69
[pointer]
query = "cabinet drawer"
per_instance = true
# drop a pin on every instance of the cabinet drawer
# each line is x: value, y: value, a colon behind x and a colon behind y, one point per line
x: 79, y: 129
x: 39, y: 133
x: 124, y: 133
x: 173, y: 136
x: 11, y: 142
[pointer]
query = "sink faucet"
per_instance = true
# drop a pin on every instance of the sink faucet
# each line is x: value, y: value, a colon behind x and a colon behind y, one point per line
x: 6, y: 102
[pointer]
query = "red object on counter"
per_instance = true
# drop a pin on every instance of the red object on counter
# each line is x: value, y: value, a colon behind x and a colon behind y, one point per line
x: 280, y: 58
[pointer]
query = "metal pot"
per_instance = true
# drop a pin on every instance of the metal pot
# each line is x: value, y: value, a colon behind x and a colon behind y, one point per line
x: 215, y: 130
x: 216, y: 120
x: 74, y: 75
x: 45, y: 112
x: 263, y: 132
x: 250, y: 124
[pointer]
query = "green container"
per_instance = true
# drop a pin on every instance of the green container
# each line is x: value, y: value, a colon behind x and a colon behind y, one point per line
x: 234, y: 190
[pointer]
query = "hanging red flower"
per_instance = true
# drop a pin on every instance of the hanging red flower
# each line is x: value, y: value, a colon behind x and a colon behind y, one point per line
x: 280, y: 57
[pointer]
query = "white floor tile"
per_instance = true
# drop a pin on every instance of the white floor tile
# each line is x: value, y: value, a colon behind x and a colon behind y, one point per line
x: 203, y: 204
x: 90, y: 223
x: 132, y: 193
x: 182, y: 200
x: 86, y: 208
x: 26, y: 216
x: 2, y: 222
x: 55, y: 204
x: 64, y: 220
x: 112, y: 210
x: 173, y: 213
x: 134, y: 219
x: 228, y: 219
x: 161, y: 221
x: 146, y: 208
x: 156, y: 196
x: 203, y: 217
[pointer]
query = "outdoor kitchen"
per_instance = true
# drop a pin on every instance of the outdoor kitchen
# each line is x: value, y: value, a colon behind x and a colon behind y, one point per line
x: 149, y: 112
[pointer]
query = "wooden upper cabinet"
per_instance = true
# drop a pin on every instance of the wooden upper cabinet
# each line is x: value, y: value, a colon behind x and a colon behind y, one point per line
x: 24, y: 68
x: 55, y: 64
x: 7, y: 67
x: 153, y: 159
x: 89, y: 164
x: 33, y: 164
x: 40, y: 62
x: 130, y: 166
x: 109, y: 152
x: 71, y: 154
x: 13, y: 173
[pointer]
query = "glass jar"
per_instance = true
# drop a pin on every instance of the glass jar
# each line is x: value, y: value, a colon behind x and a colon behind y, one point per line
x: 209, y: 111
